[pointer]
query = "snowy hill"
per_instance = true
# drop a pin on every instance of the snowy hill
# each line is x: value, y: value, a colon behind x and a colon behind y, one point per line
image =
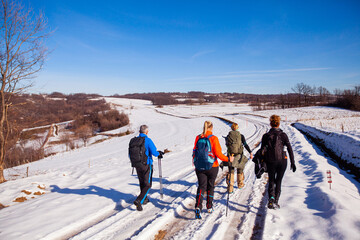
x: 87, y: 193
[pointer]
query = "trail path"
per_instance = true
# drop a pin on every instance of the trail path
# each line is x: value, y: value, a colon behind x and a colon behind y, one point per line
x: 174, y: 213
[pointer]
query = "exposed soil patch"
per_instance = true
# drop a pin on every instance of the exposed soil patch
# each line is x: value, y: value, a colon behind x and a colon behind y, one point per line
x: 20, y: 199
x: 38, y: 193
x: 161, y: 234
x: 26, y: 192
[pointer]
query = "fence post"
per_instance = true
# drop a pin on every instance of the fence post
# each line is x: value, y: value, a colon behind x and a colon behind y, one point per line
x: 329, y: 177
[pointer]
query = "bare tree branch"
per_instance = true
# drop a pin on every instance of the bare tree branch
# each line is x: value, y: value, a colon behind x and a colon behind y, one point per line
x: 22, y: 56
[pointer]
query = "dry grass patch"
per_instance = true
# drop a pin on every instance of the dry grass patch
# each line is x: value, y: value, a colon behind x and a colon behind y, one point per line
x: 26, y: 192
x: 2, y: 206
x: 41, y: 187
x: 39, y: 193
x: 100, y: 141
x: 20, y: 199
x: 33, y: 133
x: 161, y: 234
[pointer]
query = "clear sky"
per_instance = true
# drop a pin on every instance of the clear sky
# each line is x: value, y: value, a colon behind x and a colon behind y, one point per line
x: 110, y: 47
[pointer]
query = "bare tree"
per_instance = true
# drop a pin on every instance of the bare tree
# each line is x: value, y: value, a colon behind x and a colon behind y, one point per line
x: 84, y: 132
x: 66, y: 139
x: 338, y: 92
x: 22, y: 55
x: 303, y: 90
x: 308, y: 91
x: 299, y: 90
x: 323, y: 93
x: 357, y: 90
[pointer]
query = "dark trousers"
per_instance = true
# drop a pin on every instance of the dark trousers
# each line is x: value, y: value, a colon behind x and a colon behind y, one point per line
x: 276, y: 172
x: 144, y: 173
x: 206, y: 181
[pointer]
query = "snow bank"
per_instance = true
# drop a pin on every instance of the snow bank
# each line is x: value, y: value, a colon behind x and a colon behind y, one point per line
x: 327, y: 118
x: 345, y: 146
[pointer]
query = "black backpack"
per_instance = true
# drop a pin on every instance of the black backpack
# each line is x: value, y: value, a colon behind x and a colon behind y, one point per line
x: 274, y: 147
x: 137, y: 153
x: 260, y: 165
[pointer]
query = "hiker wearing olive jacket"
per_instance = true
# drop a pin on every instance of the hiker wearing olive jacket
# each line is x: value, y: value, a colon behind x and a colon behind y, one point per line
x: 206, y: 178
x: 236, y: 144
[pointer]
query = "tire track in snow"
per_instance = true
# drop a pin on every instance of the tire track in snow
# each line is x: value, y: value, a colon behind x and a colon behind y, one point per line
x: 116, y: 224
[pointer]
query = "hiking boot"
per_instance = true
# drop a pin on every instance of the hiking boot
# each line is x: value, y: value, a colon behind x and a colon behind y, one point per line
x: 276, y: 203
x: 197, y: 213
x: 146, y: 201
x: 138, y: 205
x: 241, y: 178
x: 210, y: 210
x: 271, y: 203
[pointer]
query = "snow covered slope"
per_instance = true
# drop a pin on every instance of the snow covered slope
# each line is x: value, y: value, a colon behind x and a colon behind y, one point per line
x: 345, y: 146
x: 88, y: 192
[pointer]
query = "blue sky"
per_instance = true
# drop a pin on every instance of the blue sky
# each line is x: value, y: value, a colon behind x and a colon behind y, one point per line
x: 110, y: 47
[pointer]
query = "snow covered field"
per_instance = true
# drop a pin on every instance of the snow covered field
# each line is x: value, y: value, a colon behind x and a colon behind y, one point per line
x: 87, y: 193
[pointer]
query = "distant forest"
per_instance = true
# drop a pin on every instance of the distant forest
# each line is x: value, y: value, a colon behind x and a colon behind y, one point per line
x: 301, y: 95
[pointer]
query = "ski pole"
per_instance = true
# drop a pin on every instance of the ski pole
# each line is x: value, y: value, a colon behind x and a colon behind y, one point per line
x: 132, y: 173
x: 227, y: 202
x: 160, y: 177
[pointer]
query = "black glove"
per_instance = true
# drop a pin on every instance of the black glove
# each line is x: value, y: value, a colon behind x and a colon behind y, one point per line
x: 293, y: 167
x: 161, y: 154
x: 221, y: 165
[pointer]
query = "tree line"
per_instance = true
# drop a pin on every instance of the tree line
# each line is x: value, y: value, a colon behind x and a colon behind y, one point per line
x: 301, y: 95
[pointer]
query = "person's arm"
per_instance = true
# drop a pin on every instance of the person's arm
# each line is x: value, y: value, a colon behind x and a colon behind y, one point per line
x: 217, y: 149
x: 289, y: 148
x: 245, y: 144
x: 152, y: 148
x: 263, y: 143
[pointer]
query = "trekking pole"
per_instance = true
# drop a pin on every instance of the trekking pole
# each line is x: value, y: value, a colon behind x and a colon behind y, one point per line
x: 132, y: 173
x: 160, y: 177
x: 227, y: 202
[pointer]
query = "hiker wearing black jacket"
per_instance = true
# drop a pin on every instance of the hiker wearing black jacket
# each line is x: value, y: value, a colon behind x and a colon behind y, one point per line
x: 272, y: 146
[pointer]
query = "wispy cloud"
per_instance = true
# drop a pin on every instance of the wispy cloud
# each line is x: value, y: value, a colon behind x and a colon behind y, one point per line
x: 283, y: 70
x: 249, y: 74
x: 201, y: 53
x: 234, y: 82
